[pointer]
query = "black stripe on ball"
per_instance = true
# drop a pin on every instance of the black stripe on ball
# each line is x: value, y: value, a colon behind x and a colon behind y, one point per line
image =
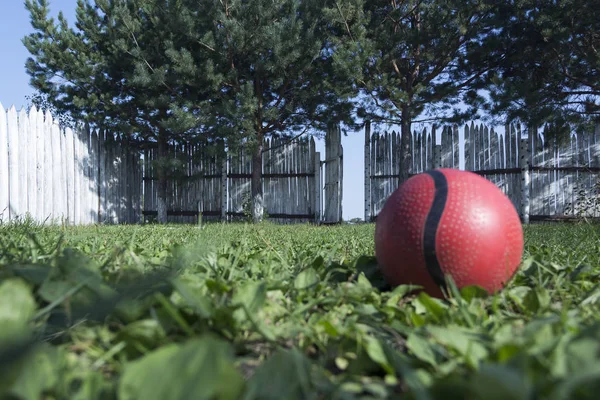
x: 431, y: 227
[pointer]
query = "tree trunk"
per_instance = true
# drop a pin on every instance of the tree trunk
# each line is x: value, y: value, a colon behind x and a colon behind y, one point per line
x: 257, y: 192
x: 162, y: 178
x: 405, y: 155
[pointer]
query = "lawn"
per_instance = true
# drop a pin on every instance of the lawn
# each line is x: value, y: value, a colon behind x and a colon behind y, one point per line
x: 285, y: 312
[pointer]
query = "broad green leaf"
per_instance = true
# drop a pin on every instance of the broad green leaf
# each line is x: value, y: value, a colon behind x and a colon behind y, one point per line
x: 365, y: 309
x: 377, y: 354
x: 368, y: 266
x: 494, y: 382
x: 284, y: 375
x: 76, y: 278
x: 329, y: 328
x: 421, y: 348
x: 200, y: 369
x: 541, y: 336
x: 587, y: 376
x: 40, y: 372
x: 592, y: 298
x: 363, y: 281
x: 559, y: 358
x: 519, y: 295
x: 531, y: 302
x: 17, y: 307
x: 460, y: 340
x: 416, y: 319
x: 434, y: 307
x: 318, y: 262
x: 351, y: 387
x: 217, y: 286
x: 341, y: 363
x: 306, y: 279
x: 582, y: 353
x: 507, y: 352
x: 132, y: 309
x: 94, y: 387
x: 399, y: 293
x: 469, y: 293
x: 193, y: 298
x: 35, y: 274
x: 543, y: 297
x: 52, y: 290
x: 251, y: 295
x: 147, y: 333
x: 13, y: 359
x: 416, y: 379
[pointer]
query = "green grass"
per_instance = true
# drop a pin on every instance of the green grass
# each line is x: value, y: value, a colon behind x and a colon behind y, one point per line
x: 284, y: 312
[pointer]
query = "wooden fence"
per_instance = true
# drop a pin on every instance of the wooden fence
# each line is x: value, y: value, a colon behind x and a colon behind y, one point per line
x: 77, y: 176
x: 216, y: 184
x: 545, y: 178
x: 84, y: 176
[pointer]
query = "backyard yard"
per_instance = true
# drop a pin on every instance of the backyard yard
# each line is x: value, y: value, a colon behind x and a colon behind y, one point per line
x: 238, y: 311
x: 188, y: 200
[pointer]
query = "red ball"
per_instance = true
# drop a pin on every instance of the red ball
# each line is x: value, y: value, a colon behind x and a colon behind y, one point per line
x: 448, y: 222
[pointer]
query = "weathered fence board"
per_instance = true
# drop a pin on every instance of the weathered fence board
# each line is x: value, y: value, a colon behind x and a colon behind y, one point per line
x: 85, y: 176
x: 213, y: 187
x: 4, y: 171
x: 64, y: 175
x: 543, y: 177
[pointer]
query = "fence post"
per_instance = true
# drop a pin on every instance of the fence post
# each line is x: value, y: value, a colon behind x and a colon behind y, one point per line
x: 595, y: 162
x: 524, y: 164
x: 12, y: 134
x: 4, y: 171
x: 224, y: 188
x: 367, y: 171
x: 340, y: 176
x: 318, y: 186
x: 200, y: 208
x: 437, y: 155
x: 596, y: 148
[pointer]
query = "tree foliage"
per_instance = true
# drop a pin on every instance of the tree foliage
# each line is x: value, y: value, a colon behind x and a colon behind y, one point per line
x: 424, y: 57
x: 240, y: 71
x: 549, y: 69
x: 126, y: 66
x: 234, y: 70
x: 42, y: 102
x: 279, y: 75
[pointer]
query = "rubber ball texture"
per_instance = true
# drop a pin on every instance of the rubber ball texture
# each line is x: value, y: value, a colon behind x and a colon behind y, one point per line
x: 448, y: 222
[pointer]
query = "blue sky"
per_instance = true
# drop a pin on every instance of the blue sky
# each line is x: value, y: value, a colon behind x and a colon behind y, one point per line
x: 14, y: 86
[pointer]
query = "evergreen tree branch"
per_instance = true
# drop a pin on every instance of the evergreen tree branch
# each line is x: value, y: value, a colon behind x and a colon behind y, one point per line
x: 337, y: 4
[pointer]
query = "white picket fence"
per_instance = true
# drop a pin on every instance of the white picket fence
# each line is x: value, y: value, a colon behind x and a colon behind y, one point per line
x: 544, y: 178
x: 79, y: 176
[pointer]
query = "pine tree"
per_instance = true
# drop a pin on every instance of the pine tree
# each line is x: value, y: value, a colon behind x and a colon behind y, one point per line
x: 425, y: 56
x: 548, y: 65
x: 130, y: 67
x: 286, y: 70
x: 236, y: 70
x: 42, y: 102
